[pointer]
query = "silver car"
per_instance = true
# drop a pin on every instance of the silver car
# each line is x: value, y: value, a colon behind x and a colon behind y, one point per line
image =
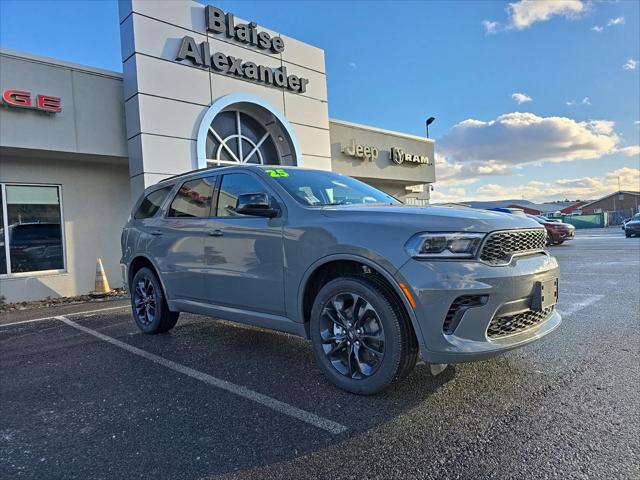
x: 373, y: 283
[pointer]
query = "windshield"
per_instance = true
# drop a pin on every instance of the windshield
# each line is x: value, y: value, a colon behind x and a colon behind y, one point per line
x: 317, y: 189
x: 636, y: 216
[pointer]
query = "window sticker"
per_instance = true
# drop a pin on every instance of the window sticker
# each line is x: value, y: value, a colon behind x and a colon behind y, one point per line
x: 277, y: 172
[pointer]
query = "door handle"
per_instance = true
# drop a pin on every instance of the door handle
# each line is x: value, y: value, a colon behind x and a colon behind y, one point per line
x: 156, y: 233
x: 215, y: 233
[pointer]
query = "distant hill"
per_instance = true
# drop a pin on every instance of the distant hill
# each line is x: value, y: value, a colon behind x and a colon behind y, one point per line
x: 543, y: 207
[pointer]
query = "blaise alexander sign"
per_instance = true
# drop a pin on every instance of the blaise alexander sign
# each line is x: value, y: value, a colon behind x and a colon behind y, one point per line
x: 370, y: 153
x: 219, y: 23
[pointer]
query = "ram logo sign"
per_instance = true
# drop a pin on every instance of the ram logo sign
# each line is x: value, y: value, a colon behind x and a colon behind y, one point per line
x: 399, y: 156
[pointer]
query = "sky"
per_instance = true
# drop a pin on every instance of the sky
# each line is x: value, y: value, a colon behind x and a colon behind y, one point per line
x: 537, y: 100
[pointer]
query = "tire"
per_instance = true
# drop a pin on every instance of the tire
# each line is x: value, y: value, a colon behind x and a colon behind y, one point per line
x: 148, y: 304
x: 343, y: 342
x: 549, y: 240
x: 628, y: 235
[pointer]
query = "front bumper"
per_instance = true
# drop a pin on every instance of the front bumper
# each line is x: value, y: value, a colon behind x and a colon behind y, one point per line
x: 563, y: 235
x: 509, y: 288
x: 633, y: 229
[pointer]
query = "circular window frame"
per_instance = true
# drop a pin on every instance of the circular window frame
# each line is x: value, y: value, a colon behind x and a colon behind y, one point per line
x: 227, y: 101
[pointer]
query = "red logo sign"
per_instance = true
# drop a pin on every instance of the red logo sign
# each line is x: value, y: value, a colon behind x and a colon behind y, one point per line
x: 20, y: 99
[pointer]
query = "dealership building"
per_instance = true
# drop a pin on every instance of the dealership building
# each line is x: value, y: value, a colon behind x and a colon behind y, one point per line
x: 199, y: 88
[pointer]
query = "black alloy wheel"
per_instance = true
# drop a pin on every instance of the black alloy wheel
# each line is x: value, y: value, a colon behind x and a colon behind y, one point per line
x: 148, y: 304
x: 361, y: 336
x: 352, y: 335
x: 144, y: 300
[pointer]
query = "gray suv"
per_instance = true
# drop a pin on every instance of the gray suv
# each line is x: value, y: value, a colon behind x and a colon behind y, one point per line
x: 373, y: 283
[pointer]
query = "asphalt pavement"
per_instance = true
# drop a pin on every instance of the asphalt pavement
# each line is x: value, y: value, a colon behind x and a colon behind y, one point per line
x: 87, y: 396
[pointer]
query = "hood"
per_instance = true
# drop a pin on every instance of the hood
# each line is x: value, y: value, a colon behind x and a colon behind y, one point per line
x: 559, y: 224
x: 451, y: 219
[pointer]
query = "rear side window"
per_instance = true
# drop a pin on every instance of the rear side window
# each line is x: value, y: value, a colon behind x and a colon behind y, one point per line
x: 152, y: 203
x: 193, y: 199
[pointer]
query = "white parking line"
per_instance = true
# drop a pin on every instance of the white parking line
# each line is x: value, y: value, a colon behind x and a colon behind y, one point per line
x: 68, y: 314
x: 272, y: 403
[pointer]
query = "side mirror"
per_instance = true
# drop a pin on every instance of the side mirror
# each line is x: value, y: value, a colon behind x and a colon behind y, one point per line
x: 257, y: 204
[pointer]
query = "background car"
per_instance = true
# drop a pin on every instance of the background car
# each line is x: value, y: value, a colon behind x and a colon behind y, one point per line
x: 631, y: 226
x: 557, y: 232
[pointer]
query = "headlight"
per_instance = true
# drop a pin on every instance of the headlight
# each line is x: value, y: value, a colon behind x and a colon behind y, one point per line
x: 444, y: 245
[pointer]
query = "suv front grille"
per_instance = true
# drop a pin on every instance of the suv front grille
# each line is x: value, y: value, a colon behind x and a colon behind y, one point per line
x: 499, y: 247
x: 512, y: 324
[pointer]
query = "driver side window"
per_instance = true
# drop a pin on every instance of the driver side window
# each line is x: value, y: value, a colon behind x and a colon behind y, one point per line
x: 232, y: 186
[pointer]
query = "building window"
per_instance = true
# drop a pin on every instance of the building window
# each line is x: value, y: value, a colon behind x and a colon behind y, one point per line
x: 236, y: 137
x: 32, y: 232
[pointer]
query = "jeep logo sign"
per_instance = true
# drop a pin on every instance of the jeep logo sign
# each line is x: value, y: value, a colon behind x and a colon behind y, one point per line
x: 364, y: 152
x: 396, y: 154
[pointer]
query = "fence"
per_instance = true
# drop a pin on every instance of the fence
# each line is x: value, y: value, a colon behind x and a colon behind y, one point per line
x: 598, y: 220
x: 616, y: 218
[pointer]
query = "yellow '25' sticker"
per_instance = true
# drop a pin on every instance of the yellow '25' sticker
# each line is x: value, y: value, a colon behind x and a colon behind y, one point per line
x: 277, y: 172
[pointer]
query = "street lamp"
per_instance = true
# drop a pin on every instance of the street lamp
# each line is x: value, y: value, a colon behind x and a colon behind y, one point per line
x: 429, y: 122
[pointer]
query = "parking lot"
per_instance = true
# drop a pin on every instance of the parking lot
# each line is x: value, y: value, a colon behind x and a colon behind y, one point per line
x: 86, y: 395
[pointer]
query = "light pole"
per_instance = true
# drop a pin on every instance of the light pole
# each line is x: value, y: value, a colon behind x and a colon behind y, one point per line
x: 430, y: 120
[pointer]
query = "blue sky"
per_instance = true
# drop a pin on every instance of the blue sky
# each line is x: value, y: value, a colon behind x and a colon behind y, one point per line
x: 394, y: 64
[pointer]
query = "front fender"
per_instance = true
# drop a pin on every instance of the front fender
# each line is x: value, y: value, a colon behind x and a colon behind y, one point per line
x: 383, y: 267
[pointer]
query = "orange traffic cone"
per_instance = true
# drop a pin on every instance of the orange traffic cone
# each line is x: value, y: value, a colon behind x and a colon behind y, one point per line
x: 102, y: 284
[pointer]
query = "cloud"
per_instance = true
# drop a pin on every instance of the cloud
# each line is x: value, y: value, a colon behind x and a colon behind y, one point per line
x: 490, y: 27
x: 521, y: 98
x: 448, y: 173
x: 615, y: 21
x: 584, y: 101
x: 631, y: 64
x: 584, y: 187
x: 637, y: 122
x: 353, y: 64
x: 611, y: 23
x: 630, y: 151
x: 525, y: 13
x: 521, y: 138
x: 535, y: 190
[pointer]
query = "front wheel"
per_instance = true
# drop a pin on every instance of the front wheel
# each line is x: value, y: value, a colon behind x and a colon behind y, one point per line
x: 149, y: 306
x: 360, y: 338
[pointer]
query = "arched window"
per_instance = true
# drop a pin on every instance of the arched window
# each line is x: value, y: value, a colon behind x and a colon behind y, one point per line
x: 236, y: 137
x: 242, y: 128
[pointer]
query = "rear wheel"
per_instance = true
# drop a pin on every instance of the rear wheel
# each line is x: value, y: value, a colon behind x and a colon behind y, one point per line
x: 360, y: 339
x: 627, y: 234
x: 148, y: 303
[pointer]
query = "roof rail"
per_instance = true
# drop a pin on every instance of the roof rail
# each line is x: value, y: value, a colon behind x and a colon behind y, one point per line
x: 173, y: 177
x: 204, y: 169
